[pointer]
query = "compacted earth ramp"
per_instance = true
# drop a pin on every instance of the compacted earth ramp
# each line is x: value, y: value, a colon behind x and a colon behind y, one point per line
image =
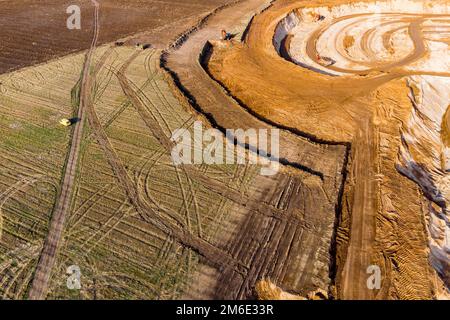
x: 298, y: 252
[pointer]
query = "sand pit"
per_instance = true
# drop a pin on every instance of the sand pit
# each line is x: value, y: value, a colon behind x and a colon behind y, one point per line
x: 361, y: 38
x: 362, y: 73
x: 405, y: 37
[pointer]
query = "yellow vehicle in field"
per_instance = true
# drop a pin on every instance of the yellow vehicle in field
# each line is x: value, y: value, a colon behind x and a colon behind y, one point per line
x: 65, y: 122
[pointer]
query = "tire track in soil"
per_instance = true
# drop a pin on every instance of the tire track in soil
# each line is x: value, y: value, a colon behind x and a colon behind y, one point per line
x: 18, y: 186
x: 270, y: 211
x: 263, y: 208
x: 212, y: 254
x: 191, y: 170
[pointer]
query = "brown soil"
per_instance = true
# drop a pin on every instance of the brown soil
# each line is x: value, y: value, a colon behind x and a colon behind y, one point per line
x: 35, y: 31
x: 446, y: 128
x: 349, y: 41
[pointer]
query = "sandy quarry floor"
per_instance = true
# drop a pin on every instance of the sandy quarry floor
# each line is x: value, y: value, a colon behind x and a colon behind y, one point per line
x: 355, y: 92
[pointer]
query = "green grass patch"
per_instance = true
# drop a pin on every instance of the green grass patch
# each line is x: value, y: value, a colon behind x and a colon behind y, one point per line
x: 30, y: 137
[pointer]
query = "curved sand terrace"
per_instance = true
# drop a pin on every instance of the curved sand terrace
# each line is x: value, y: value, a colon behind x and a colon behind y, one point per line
x: 356, y: 91
x: 405, y: 37
x: 399, y: 36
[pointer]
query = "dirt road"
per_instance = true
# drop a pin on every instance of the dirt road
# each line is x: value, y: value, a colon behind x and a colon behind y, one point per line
x: 47, y: 259
x: 363, y: 226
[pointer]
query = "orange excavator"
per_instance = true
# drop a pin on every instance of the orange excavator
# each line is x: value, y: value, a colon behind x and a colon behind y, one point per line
x: 317, y: 17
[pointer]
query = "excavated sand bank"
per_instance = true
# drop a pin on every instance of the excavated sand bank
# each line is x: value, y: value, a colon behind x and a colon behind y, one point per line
x: 408, y: 37
x: 353, y: 89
